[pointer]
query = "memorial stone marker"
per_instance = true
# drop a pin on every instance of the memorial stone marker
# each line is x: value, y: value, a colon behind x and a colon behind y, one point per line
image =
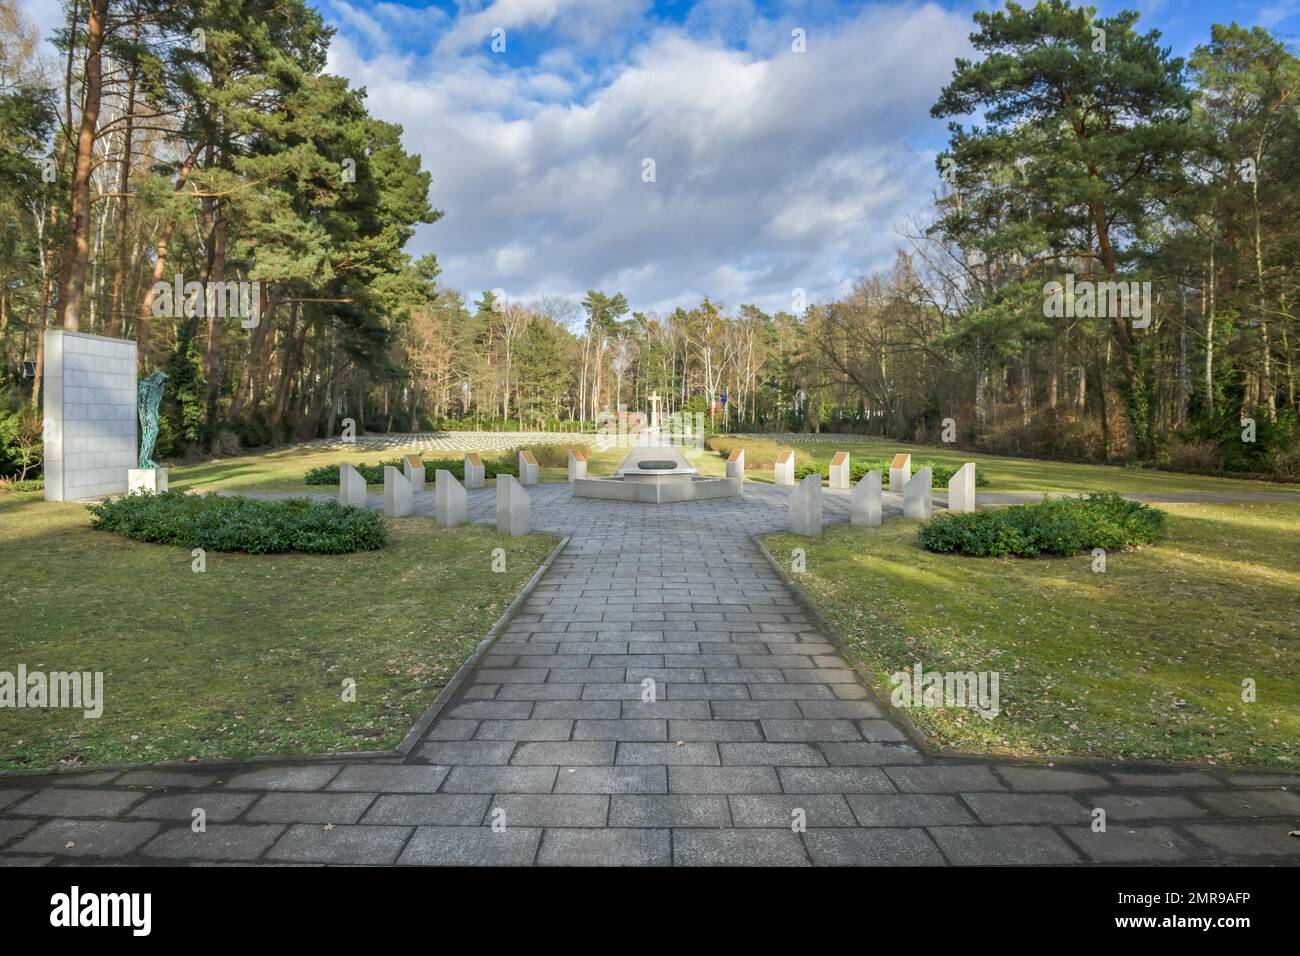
x: 449, y: 500
x: 512, y: 506
x: 474, y: 471
x: 865, y: 509
x: 736, y: 464
x: 785, y: 467
x: 413, y: 468
x: 840, y: 471
x: 352, y: 487
x: 528, y: 470
x: 398, y: 499
x: 916, y: 496
x: 900, y: 471
x: 577, y: 464
x: 806, y: 507
x: 961, y: 489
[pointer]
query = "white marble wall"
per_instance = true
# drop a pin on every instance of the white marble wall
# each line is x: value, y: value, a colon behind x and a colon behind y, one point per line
x: 90, y: 415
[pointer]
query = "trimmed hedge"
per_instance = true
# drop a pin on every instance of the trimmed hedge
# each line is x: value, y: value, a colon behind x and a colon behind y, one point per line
x: 940, y: 475
x: 760, y: 453
x: 1059, y: 526
x: 374, y: 474
x: 217, y: 523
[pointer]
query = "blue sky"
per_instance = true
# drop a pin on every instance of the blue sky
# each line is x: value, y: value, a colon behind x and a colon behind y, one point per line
x: 774, y: 170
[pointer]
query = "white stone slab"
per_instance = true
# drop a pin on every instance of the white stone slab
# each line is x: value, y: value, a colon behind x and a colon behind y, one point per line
x: 450, y: 503
x: 806, y: 507
x: 785, y: 468
x: 577, y: 464
x: 413, y: 469
x: 398, y: 499
x: 528, y: 469
x: 865, y: 508
x: 736, y: 464
x: 900, y: 471
x: 840, y: 471
x: 513, y: 506
x: 89, y: 415
x: 141, y: 480
x: 961, y: 489
x: 916, y: 496
x: 474, y: 471
x: 352, y: 487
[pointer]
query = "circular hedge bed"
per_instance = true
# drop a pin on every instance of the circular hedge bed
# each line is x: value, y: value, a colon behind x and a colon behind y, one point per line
x: 1058, y: 526
x: 219, y: 523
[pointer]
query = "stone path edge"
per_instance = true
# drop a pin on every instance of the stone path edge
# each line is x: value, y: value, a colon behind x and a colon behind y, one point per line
x: 922, y: 741
x: 397, y: 753
x: 449, y: 689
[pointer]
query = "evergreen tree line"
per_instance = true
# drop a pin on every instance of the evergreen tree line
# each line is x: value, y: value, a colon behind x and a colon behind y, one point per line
x: 1108, y: 271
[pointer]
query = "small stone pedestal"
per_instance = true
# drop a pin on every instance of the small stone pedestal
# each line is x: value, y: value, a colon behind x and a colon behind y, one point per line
x: 916, y: 496
x: 961, y: 489
x: 450, y: 501
x: 785, y: 467
x: 151, y: 481
x: 398, y: 499
x: 736, y: 464
x: 577, y: 464
x: 513, y: 507
x: 352, y: 487
x: 806, y: 507
x: 528, y: 470
x: 840, y: 471
x: 474, y: 471
x: 900, y: 472
x: 413, y: 468
x: 865, y: 509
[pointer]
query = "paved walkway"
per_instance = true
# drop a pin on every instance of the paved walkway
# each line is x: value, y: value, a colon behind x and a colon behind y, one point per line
x: 756, y: 721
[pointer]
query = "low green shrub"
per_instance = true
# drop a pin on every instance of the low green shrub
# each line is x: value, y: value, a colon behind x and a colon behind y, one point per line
x: 24, y: 484
x: 1059, y: 526
x: 374, y: 474
x: 550, y: 454
x: 217, y: 523
x: 940, y: 475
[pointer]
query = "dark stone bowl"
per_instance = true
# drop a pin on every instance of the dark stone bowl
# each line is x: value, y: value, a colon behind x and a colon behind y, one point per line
x: 656, y: 464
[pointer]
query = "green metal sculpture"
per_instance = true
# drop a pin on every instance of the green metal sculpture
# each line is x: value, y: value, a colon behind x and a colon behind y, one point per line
x: 148, y: 397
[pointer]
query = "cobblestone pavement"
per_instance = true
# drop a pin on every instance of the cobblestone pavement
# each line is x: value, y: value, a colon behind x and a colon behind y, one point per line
x: 757, y: 720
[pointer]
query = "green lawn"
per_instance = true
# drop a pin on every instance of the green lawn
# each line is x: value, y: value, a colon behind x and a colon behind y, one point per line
x: 1143, y: 661
x: 250, y: 656
x: 1022, y: 474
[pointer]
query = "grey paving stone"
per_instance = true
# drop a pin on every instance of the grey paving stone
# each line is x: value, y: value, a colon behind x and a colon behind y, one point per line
x: 510, y: 675
x: 624, y: 779
x: 668, y: 810
x: 540, y: 692
x: 679, y: 709
x: 834, y: 780
x: 450, y: 728
x: 1003, y: 846
x: 525, y: 729
x: 307, y: 777
x: 998, y: 808
x: 11, y: 796
x: 869, y: 754
x: 776, y: 810
x: 220, y: 841
x: 310, y: 807
x: 1126, y: 806
x: 357, y: 844
x: 754, y: 709
x: 1251, y: 803
x: 716, y: 730
x: 1043, y: 779
x: 429, y: 809
x: 1248, y: 839
x: 587, y: 675
x: 14, y: 828
x: 727, y: 780
x: 738, y: 848
x: 217, y: 807
x: 771, y: 755
x: 1264, y: 780
x: 377, y: 778
x: 179, y: 779
x: 577, y: 709
x: 606, y: 847
x: 1157, y: 780
x: 96, y: 778
x: 87, y: 802
x: 471, y: 846
x: 570, y: 753
x: 876, y: 847
x: 881, y: 730
x: 778, y: 730
x: 614, y: 691
x: 492, y: 709
x: 839, y: 709
x: 456, y: 752
x: 1121, y: 844
x: 668, y: 754
x: 620, y: 730
x: 551, y: 809
x: 500, y: 780
x: 706, y: 692
x: 8, y: 860
x: 78, y: 838
x: 908, y: 810
x: 944, y: 779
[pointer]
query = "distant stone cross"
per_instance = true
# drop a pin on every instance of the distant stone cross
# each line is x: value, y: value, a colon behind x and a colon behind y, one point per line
x: 654, y: 410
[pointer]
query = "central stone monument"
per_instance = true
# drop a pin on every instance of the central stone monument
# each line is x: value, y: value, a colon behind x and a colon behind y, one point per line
x: 656, y: 475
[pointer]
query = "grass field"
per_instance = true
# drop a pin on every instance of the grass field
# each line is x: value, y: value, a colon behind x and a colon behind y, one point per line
x: 248, y: 657
x: 1145, y: 660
